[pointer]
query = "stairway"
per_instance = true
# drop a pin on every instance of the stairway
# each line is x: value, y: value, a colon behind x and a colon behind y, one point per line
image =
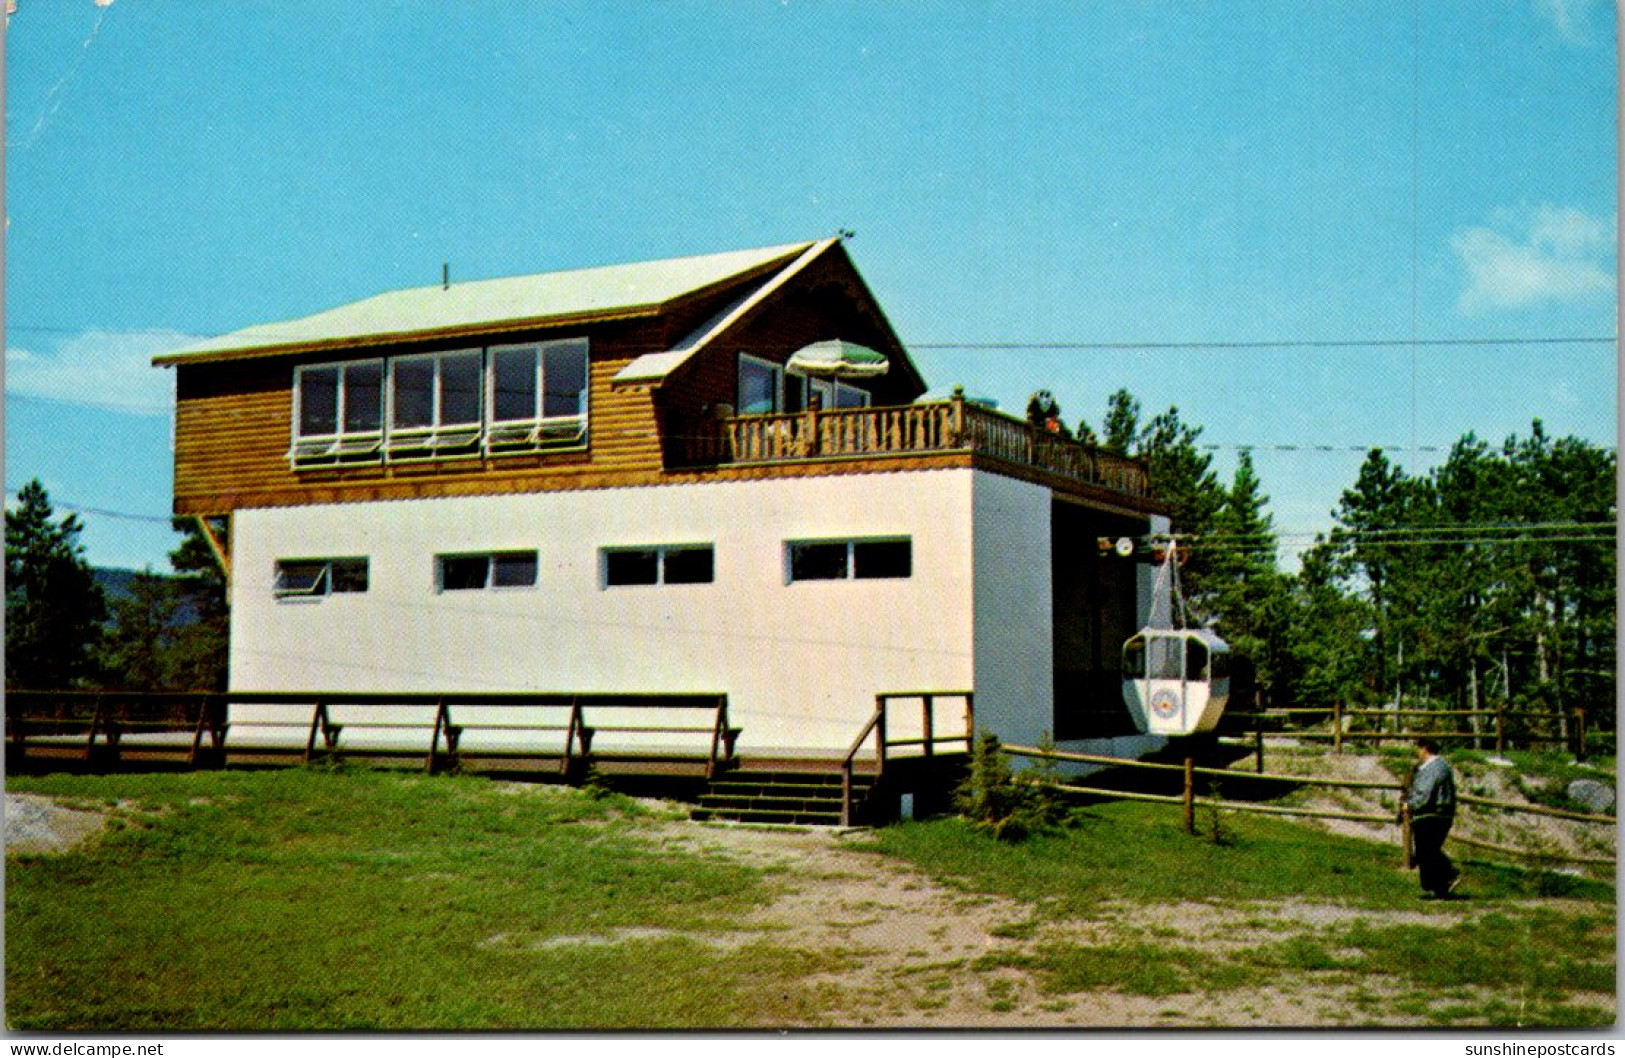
x: 797, y: 798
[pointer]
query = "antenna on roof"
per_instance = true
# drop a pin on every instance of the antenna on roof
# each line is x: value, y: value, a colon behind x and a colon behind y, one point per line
x: 445, y: 275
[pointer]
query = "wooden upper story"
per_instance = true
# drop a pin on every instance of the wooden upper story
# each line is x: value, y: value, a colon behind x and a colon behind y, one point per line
x: 656, y: 373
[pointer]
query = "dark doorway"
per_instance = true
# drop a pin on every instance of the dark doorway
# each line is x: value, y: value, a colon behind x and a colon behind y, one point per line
x: 1095, y: 613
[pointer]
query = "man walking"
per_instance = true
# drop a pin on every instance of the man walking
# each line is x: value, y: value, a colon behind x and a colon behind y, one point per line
x: 1432, y: 803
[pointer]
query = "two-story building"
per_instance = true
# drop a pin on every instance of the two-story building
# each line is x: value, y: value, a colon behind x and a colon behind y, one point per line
x: 626, y: 479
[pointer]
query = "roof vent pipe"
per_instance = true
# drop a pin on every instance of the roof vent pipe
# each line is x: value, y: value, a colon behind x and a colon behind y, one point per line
x: 445, y: 275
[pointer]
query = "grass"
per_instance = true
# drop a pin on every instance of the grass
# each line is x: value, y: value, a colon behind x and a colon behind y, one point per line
x: 301, y: 900
x: 1511, y: 963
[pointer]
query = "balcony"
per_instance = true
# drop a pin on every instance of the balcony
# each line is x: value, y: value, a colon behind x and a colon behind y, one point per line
x: 932, y: 427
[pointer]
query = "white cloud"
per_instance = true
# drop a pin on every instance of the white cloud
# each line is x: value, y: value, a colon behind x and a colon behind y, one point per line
x: 1554, y: 255
x: 107, y: 369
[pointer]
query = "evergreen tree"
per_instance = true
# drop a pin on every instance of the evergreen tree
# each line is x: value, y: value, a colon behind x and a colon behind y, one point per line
x: 199, y: 660
x: 54, y: 608
x: 1247, y: 593
x: 138, y: 650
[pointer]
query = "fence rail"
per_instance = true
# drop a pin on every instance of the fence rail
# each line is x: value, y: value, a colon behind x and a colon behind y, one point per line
x: 97, y: 723
x: 1190, y: 801
x: 1342, y: 731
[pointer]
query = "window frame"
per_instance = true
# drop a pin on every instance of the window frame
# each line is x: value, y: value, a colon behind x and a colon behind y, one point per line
x: 325, y: 582
x: 491, y: 559
x: 439, y: 439
x: 850, y: 567
x: 833, y: 394
x: 537, y: 430
x: 661, y: 553
x: 342, y: 443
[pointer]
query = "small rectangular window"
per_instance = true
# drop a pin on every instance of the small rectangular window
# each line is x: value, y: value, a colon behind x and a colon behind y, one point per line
x: 502, y: 569
x: 851, y: 559
x: 674, y: 564
x: 308, y: 578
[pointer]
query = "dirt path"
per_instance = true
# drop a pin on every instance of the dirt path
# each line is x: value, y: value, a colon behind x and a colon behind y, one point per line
x: 910, y: 944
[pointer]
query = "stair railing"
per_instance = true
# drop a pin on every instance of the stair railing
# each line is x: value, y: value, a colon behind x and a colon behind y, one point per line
x: 876, y: 725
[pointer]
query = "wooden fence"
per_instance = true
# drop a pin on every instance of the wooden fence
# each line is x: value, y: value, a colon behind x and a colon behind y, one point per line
x: 1343, y: 729
x: 1189, y: 801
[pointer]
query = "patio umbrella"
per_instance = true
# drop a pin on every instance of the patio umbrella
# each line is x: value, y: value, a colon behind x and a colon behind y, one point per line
x: 836, y: 358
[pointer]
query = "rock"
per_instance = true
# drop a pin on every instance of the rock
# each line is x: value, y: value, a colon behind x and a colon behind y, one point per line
x: 1595, y: 796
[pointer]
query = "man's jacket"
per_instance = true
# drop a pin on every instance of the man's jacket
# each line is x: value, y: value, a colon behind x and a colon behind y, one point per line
x: 1433, y: 791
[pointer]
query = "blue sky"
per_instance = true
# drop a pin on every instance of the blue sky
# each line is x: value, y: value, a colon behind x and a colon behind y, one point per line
x: 1083, y: 175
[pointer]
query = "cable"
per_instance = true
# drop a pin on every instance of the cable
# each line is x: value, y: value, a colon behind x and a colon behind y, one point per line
x: 100, y: 512
x: 1282, y: 343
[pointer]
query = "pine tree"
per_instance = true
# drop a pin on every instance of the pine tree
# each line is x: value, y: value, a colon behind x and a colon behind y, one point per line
x: 138, y: 651
x: 199, y: 659
x: 54, y: 607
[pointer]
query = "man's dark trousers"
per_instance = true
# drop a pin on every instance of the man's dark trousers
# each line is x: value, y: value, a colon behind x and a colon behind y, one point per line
x: 1434, y: 867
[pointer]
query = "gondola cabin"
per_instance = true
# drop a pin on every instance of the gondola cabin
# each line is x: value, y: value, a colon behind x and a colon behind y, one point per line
x: 1176, y: 681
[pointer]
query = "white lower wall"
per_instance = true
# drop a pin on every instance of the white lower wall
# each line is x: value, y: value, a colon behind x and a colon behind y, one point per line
x: 801, y: 663
x: 1015, y: 647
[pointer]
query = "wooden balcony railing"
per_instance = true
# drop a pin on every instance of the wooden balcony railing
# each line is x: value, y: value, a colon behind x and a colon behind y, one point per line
x: 953, y: 425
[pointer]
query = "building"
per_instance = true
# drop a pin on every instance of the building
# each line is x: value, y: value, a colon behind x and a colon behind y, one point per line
x: 617, y: 479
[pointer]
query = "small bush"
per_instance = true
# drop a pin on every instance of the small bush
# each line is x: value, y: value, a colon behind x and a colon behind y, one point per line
x: 1006, y: 805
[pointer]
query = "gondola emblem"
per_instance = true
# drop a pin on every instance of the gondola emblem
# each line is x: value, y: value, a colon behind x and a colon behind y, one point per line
x: 1165, y: 703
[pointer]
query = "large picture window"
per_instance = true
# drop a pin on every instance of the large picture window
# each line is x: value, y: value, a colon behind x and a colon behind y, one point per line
x: 766, y: 388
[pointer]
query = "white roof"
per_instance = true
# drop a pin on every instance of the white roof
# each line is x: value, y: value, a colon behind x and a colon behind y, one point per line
x: 615, y: 290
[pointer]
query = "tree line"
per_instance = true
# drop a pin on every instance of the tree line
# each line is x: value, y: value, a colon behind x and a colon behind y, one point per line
x: 1486, y: 582
x: 167, y: 632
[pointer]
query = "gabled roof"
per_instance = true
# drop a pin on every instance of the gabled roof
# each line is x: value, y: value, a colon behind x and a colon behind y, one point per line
x: 583, y: 295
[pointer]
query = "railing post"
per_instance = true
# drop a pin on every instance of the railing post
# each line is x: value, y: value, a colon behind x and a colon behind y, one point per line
x: 926, y: 726
x: 1579, y: 734
x: 846, y: 792
x: 1258, y: 738
x: 95, y: 725
x: 570, y: 737
x: 440, y: 722
x: 315, y: 722
x: 1405, y: 834
x: 1337, y: 725
x: 1190, y: 796
x: 957, y: 401
x: 880, y: 735
x: 970, y: 721
x: 1500, y: 729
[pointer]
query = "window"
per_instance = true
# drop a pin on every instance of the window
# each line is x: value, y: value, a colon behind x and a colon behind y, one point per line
x: 501, y: 569
x: 538, y: 394
x: 675, y: 564
x: 766, y: 388
x: 338, y: 411
x: 299, y: 578
x: 435, y: 404
x: 890, y: 559
x: 759, y: 386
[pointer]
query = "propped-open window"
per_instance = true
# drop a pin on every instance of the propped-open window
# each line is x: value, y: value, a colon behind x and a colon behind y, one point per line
x: 435, y: 403
x: 538, y: 396
x: 338, y: 412
x: 315, y: 578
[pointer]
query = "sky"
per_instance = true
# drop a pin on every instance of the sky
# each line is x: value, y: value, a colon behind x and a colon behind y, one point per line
x: 1313, y: 228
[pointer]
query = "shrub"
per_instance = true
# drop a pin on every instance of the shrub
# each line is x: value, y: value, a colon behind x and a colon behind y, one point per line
x: 1004, y: 804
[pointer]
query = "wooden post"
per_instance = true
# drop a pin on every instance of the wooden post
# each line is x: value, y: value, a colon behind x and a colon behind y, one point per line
x: 926, y: 726
x: 1337, y: 726
x: 570, y: 736
x: 970, y: 721
x: 317, y: 716
x: 958, y: 438
x: 441, y: 723
x: 1500, y: 728
x: 1405, y: 834
x: 1579, y: 734
x: 880, y: 737
x: 1258, y: 736
x: 1190, y: 796
x: 95, y: 726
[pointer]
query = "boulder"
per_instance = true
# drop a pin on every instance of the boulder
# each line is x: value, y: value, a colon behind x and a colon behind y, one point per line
x: 1595, y: 796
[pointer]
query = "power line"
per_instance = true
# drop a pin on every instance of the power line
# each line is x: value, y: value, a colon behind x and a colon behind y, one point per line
x: 100, y: 512
x: 1272, y: 343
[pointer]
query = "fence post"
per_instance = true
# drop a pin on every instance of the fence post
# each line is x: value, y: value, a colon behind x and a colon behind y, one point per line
x: 1500, y: 728
x: 1405, y: 834
x: 1258, y: 736
x: 1190, y: 796
x: 1579, y: 734
x: 926, y: 726
x: 1337, y: 726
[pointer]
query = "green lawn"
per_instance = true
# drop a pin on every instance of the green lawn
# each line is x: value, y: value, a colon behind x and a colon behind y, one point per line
x: 1518, y: 950
x: 300, y: 900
